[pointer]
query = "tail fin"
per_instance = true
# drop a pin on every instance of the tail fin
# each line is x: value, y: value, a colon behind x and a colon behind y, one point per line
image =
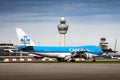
x: 24, y: 39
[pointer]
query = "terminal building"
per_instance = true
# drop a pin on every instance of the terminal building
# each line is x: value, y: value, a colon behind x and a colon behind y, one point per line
x: 109, y: 53
x: 4, y: 48
x: 10, y: 53
x: 9, y: 49
x: 104, y: 46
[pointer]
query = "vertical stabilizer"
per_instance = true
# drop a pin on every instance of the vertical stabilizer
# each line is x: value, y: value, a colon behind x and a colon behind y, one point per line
x: 24, y: 39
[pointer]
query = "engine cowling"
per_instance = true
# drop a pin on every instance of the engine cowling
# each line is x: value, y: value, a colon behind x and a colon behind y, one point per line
x: 87, y: 56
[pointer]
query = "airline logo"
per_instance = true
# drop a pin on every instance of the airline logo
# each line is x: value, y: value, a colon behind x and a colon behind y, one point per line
x: 25, y: 40
x: 75, y: 49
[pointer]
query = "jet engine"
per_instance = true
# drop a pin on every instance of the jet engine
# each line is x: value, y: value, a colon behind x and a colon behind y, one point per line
x: 87, y: 56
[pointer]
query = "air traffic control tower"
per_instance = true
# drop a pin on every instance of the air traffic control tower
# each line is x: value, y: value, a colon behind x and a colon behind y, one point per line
x: 103, y: 44
x: 62, y: 29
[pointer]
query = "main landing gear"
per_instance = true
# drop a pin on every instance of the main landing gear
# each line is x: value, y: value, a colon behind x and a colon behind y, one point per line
x: 72, y: 60
x: 93, y: 59
x: 63, y: 60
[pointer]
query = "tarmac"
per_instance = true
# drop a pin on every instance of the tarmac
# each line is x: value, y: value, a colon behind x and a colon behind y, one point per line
x: 59, y: 71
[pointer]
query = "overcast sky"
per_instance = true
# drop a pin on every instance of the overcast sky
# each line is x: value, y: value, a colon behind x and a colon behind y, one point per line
x: 88, y: 21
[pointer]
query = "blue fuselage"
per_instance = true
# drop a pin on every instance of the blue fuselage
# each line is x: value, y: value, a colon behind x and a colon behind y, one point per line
x: 63, y: 49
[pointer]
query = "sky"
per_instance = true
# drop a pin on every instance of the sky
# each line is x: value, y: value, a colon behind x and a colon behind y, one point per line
x: 88, y: 20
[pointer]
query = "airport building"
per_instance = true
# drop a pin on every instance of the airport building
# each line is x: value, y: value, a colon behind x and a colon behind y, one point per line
x: 104, y: 46
x: 62, y: 29
x: 9, y: 49
x: 4, y: 48
x: 10, y: 53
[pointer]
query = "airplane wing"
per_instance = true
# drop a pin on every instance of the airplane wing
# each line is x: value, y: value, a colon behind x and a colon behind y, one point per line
x: 14, y: 51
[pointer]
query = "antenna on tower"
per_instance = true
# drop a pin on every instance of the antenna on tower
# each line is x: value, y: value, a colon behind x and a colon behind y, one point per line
x: 115, y: 44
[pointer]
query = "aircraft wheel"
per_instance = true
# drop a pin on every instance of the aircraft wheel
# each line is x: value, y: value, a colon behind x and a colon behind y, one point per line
x: 93, y: 59
x: 60, y: 60
x: 72, y: 60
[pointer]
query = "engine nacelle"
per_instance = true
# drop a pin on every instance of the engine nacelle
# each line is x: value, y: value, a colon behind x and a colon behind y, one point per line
x: 87, y: 56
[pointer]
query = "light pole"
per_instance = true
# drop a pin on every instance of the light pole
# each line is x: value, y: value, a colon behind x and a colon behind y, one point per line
x: 62, y: 29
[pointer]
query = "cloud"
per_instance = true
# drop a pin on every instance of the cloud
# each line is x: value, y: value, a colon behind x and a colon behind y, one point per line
x: 89, y: 20
x: 57, y: 8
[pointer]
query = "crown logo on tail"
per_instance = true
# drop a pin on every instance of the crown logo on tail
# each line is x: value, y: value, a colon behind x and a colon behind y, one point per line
x: 25, y: 40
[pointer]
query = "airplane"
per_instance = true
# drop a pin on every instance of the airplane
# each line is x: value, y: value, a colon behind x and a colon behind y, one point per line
x: 115, y: 57
x: 61, y: 53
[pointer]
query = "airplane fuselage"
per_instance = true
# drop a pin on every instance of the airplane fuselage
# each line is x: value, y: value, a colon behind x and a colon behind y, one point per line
x: 62, y: 51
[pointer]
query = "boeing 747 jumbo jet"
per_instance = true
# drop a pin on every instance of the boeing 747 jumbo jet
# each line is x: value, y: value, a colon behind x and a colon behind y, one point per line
x: 61, y: 53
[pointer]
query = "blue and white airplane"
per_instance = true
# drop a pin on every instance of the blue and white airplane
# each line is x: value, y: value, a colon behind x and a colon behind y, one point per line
x: 61, y: 53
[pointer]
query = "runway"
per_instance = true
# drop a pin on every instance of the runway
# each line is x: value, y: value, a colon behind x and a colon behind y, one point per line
x: 59, y: 71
